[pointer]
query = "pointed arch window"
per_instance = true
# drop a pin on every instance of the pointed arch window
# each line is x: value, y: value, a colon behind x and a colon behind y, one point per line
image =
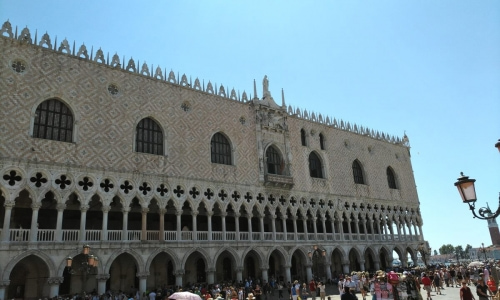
x: 53, y: 121
x: 357, y: 172
x: 220, y: 149
x: 149, y: 137
x: 391, y: 179
x: 322, y: 141
x: 275, y: 164
x: 303, y: 137
x: 315, y: 168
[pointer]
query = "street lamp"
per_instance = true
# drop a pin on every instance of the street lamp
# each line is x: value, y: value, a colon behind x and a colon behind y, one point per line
x: 87, y: 265
x: 468, y: 193
x: 317, y: 257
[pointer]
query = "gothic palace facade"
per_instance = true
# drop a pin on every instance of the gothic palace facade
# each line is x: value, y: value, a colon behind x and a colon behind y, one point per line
x: 172, y: 181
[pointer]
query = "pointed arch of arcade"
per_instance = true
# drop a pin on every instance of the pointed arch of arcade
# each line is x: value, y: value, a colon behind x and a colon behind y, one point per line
x: 39, y: 254
x: 370, y: 259
x: 337, y: 257
x: 206, y: 257
x: 157, y: 252
x: 138, y: 260
x: 277, y: 249
x: 385, y: 257
x: 354, y: 259
x: 233, y: 253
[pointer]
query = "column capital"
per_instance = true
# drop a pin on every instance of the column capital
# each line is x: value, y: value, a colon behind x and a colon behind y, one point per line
x: 4, y: 283
x: 237, y: 215
x: 162, y: 211
x: 106, y: 208
x: 60, y: 206
x: 210, y: 213
x: 145, y: 210
x: 125, y: 209
x: 9, y: 204
x: 210, y: 270
x: 102, y: 277
x: 180, y: 272
x: 239, y: 269
x: 223, y: 214
x: 195, y: 213
x: 142, y: 275
x: 178, y: 212
x: 55, y: 280
x: 84, y: 208
x: 274, y: 217
x: 36, y: 205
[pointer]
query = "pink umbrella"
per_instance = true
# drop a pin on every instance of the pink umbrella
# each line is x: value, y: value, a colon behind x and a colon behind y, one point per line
x: 184, y: 296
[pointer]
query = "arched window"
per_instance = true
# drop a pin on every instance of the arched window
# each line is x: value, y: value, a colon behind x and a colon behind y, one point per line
x: 303, y: 137
x: 391, y: 179
x: 275, y: 164
x: 321, y: 141
x: 220, y: 149
x: 357, y: 172
x: 53, y: 121
x: 315, y: 169
x: 149, y: 137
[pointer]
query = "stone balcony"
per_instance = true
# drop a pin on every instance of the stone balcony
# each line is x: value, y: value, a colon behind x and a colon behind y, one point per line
x: 279, y: 180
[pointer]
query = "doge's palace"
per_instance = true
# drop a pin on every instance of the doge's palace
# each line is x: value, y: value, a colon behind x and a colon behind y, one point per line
x: 170, y: 180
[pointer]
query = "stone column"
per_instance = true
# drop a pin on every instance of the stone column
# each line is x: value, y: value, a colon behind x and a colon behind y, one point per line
x: 288, y: 274
x: 341, y: 228
x: 362, y: 264
x: 273, y: 227
x: 3, y: 285
x: 332, y: 223
x: 304, y: 224
x: 398, y: 228
x: 261, y: 221
x: 5, y: 236
x: 194, y: 215
x: 283, y: 220
x: 162, y: 223
x: 249, y: 218
x: 345, y: 267
x: 210, y: 276
x: 349, y: 228
x: 101, y: 283
x: 104, y: 230
x: 60, y: 210
x: 125, y: 211
x: 34, y: 221
x: 209, y: 219
x: 264, y: 274
x: 144, y: 219
x: 54, y: 283
x: 178, y: 277
x: 315, y: 228
x: 83, y: 222
x: 178, y: 215
x: 294, y: 218
x: 309, y: 273
x: 237, y: 223
x: 239, y: 274
x: 364, y: 227
x: 404, y: 261
x: 143, y: 277
x: 356, y: 225
x: 323, y: 220
x: 223, y: 219
x: 328, y: 270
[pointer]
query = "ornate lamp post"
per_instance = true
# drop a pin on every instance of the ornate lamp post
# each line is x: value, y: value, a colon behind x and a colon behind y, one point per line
x: 468, y: 193
x: 317, y: 257
x: 89, y: 263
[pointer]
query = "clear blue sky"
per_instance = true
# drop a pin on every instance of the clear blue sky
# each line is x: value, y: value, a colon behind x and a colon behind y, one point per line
x: 430, y: 68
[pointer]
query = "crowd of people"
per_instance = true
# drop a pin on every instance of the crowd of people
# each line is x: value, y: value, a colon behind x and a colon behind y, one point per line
x: 357, y: 285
